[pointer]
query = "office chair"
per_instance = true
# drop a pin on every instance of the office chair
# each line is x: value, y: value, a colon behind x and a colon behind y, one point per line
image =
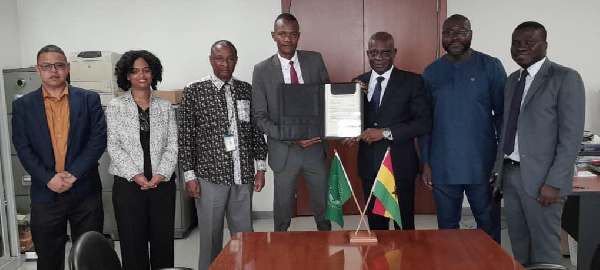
x: 93, y: 252
x: 544, y: 266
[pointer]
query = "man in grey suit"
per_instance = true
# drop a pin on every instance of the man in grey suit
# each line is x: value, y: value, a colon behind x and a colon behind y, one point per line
x: 544, y: 113
x: 288, y: 158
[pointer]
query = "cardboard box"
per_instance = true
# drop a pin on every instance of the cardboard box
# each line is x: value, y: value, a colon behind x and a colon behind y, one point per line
x: 173, y: 96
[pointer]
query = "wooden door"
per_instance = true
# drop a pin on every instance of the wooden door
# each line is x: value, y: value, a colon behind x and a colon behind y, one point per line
x: 340, y: 30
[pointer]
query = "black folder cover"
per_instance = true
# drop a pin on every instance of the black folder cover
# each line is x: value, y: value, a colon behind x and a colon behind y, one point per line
x: 302, y: 109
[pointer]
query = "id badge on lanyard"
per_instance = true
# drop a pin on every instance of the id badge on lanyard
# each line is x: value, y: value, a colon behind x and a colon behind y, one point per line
x: 229, y: 141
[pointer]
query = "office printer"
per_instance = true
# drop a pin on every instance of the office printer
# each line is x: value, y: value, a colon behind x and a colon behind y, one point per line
x: 95, y: 70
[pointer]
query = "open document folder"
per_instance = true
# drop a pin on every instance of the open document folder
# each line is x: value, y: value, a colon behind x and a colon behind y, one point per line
x: 329, y: 111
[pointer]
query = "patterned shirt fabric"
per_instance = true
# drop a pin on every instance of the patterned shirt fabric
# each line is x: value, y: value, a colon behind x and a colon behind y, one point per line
x: 209, y: 110
x: 58, y: 116
x: 123, y: 137
x: 468, y: 106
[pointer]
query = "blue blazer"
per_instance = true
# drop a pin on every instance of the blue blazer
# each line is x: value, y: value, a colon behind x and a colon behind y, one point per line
x: 85, y: 145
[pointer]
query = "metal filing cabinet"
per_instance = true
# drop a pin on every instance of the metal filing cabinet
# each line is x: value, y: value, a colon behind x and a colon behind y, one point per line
x: 18, y: 82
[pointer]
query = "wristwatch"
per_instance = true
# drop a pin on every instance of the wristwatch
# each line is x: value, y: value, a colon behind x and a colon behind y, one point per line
x: 387, y: 134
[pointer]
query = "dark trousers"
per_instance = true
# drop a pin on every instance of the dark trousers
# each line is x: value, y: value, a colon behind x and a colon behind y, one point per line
x: 145, y: 216
x: 448, y: 205
x: 49, y: 226
x: 405, y: 189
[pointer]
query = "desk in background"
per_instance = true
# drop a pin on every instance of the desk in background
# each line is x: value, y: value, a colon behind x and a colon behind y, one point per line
x: 421, y: 249
x: 581, y: 218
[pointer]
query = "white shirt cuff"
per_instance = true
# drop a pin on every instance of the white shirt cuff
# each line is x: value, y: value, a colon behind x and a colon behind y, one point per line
x: 261, y: 165
x: 189, y: 175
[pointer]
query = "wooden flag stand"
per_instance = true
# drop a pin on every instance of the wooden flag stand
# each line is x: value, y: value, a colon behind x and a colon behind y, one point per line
x: 362, y: 237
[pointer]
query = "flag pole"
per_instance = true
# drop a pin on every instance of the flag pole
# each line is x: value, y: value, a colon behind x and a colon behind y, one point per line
x: 362, y: 216
x: 370, y: 195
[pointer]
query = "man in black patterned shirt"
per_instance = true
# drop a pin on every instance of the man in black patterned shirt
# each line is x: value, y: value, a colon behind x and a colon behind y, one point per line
x: 218, y: 149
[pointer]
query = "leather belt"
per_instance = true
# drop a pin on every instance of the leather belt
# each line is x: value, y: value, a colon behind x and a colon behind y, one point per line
x: 508, y: 161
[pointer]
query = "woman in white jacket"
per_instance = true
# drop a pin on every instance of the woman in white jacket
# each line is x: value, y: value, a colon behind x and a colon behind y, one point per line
x: 142, y: 144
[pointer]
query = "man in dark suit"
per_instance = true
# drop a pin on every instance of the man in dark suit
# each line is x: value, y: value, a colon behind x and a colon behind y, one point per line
x: 59, y: 133
x: 544, y: 111
x: 397, y: 110
x: 286, y: 158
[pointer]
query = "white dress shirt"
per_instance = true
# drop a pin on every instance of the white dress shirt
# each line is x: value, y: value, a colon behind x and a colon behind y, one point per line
x: 286, y: 67
x: 373, y: 81
x: 532, y: 70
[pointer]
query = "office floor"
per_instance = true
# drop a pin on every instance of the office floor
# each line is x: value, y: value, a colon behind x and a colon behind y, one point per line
x: 186, y: 250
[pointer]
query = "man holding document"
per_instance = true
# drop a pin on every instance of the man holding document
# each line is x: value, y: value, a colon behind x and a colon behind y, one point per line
x: 396, y: 111
x: 288, y: 158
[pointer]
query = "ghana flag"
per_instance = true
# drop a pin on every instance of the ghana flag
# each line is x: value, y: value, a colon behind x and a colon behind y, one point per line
x: 384, y: 190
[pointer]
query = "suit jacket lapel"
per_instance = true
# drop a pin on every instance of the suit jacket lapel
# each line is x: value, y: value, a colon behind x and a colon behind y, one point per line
x: 365, y: 78
x: 275, y: 72
x: 511, y: 84
x: 394, y: 77
x: 539, y: 79
x: 39, y: 109
x: 74, y: 110
x: 304, y: 67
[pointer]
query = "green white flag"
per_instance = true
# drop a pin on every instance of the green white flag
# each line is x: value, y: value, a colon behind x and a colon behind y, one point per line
x: 340, y: 191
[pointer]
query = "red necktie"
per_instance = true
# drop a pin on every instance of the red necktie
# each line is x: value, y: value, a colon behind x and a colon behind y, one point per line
x: 293, y: 74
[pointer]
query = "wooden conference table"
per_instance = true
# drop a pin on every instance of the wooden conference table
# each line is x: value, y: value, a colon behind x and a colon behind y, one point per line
x: 581, y: 218
x: 421, y: 249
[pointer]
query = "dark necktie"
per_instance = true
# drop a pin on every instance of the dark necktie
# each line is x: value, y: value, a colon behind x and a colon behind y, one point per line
x: 377, y: 93
x: 513, y: 115
x: 293, y: 74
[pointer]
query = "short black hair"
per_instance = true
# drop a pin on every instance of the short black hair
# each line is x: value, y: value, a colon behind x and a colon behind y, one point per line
x: 50, y: 48
x: 382, y: 35
x: 458, y: 16
x: 222, y: 42
x: 286, y: 16
x: 125, y: 65
x: 533, y: 25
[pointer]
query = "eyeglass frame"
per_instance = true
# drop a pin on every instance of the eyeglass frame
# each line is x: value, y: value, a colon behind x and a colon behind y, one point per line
x: 383, y: 53
x: 459, y: 33
x: 48, y: 66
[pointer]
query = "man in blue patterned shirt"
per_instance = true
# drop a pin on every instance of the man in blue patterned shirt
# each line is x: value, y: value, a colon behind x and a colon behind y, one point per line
x: 467, y: 89
x: 219, y: 147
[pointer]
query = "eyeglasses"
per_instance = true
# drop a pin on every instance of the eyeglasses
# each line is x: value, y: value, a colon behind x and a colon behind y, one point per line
x: 144, y: 123
x: 382, y: 53
x: 461, y: 33
x: 57, y: 66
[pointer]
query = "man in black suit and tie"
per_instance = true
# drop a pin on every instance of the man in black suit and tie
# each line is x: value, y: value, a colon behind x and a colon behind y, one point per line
x: 286, y: 158
x: 397, y: 110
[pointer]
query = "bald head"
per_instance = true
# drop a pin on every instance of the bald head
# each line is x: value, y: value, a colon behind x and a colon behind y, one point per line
x: 382, y: 37
x: 381, y: 52
x: 458, y: 19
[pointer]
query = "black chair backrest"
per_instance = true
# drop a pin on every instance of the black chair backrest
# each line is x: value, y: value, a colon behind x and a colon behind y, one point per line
x: 92, y: 251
